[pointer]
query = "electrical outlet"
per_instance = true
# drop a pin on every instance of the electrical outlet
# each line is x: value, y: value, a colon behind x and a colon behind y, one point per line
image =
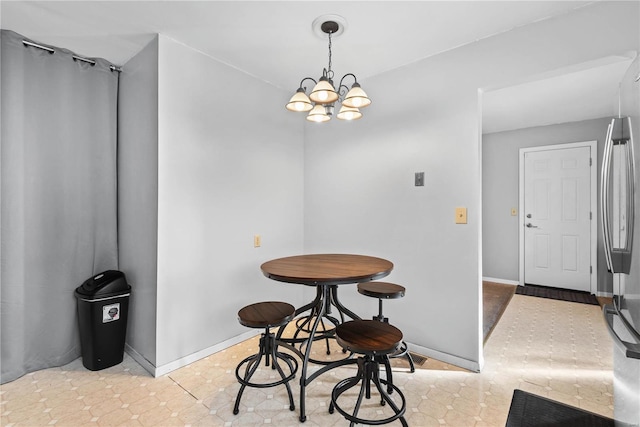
x: 257, y: 241
x: 461, y: 215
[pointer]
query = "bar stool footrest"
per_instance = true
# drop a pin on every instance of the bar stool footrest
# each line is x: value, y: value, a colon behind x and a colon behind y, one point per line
x: 291, y: 362
x: 403, y: 351
x: 398, y: 412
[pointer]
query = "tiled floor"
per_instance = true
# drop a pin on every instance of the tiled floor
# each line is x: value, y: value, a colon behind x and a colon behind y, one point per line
x: 556, y: 349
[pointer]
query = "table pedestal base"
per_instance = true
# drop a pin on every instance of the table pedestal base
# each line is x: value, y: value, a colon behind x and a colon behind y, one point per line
x: 313, y: 324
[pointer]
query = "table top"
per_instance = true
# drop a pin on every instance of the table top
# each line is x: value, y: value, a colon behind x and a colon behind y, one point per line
x: 327, y: 269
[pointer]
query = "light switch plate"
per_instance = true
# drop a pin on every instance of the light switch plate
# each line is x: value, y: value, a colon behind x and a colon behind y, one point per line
x: 461, y: 215
x: 419, y: 179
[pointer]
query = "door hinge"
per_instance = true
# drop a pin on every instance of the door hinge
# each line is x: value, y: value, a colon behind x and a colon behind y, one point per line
x: 590, y: 161
x: 590, y: 215
x: 591, y: 269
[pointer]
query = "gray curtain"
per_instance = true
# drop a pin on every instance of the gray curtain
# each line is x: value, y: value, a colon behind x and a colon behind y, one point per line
x: 58, y: 187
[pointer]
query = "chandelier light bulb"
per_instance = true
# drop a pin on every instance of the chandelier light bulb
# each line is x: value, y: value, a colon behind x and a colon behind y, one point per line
x: 318, y: 114
x: 349, y: 113
x: 299, y: 102
x: 323, y: 92
x: 356, y: 97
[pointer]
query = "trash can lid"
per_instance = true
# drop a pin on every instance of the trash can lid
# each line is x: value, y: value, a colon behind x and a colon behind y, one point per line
x: 106, y: 284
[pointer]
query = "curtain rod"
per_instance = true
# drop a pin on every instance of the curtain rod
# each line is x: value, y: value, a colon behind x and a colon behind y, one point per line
x: 48, y: 49
x: 75, y: 57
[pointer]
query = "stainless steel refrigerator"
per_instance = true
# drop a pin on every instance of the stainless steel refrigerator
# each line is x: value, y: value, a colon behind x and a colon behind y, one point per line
x: 620, y: 210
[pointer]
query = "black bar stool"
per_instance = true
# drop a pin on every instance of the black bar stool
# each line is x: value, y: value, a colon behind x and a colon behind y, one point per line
x: 385, y: 290
x: 266, y: 315
x: 374, y: 341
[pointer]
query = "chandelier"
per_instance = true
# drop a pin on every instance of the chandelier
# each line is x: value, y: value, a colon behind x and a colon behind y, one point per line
x: 322, y: 100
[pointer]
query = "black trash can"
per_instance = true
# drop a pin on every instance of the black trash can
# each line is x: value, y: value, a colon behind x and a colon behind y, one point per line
x: 103, y: 305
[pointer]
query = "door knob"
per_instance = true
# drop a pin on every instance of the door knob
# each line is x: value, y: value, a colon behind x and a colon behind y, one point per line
x: 529, y: 225
x: 528, y: 215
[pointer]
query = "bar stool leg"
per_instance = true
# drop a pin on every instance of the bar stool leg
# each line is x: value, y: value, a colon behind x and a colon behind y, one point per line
x: 387, y: 368
x: 387, y: 399
x: 274, y: 355
x: 252, y: 366
x: 269, y: 350
x: 404, y: 349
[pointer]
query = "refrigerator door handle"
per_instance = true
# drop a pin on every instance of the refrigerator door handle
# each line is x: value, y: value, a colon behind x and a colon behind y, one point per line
x: 631, y: 190
x: 604, y: 195
x: 631, y: 350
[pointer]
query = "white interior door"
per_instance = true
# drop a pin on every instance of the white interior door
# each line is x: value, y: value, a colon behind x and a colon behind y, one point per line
x: 557, y: 216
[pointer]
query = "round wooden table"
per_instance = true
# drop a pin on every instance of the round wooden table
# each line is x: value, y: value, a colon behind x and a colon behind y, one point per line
x: 335, y: 269
x: 325, y: 272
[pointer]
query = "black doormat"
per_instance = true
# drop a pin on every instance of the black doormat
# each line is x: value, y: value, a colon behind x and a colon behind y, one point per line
x: 557, y: 293
x: 529, y: 410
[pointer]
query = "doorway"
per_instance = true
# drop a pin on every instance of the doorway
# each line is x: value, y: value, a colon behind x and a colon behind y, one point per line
x: 558, y: 206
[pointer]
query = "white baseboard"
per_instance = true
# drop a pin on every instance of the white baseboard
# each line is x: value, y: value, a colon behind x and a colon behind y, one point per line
x: 184, y: 361
x: 504, y: 281
x: 158, y: 371
x: 605, y: 294
x: 147, y: 365
x: 447, y: 358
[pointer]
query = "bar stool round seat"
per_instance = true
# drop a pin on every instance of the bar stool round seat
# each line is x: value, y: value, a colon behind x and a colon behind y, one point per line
x: 382, y: 291
x: 266, y: 315
x: 374, y: 341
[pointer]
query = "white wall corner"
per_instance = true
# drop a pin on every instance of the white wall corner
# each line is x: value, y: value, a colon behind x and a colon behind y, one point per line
x: 158, y: 371
x: 448, y: 358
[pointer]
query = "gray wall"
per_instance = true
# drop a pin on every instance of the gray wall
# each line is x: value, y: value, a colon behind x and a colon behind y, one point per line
x: 500, y: 175
x: 138, y: 194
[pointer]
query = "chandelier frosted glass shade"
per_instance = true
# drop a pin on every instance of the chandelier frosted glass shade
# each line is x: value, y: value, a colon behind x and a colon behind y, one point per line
x: 299, y: 102
x: 349, y: 113
x: 356, y: 97
x: 318, y: 114
x: 323, y: 92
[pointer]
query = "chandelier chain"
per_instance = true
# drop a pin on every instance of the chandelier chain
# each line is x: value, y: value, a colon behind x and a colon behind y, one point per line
x: 329, y: 71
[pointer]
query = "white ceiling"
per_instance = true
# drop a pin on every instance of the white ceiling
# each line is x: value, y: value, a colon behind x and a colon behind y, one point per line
x: 588, y: 92
x: 274, y: 41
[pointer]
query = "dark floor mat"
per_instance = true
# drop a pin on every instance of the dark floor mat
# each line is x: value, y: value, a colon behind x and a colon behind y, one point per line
x: 557, y: 293
x: 529, y: 410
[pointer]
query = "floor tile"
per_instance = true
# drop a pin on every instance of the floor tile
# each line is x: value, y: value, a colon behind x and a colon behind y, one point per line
x: 556, y: 349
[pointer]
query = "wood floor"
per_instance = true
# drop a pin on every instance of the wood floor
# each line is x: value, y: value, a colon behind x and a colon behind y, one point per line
x: 495, y: 298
